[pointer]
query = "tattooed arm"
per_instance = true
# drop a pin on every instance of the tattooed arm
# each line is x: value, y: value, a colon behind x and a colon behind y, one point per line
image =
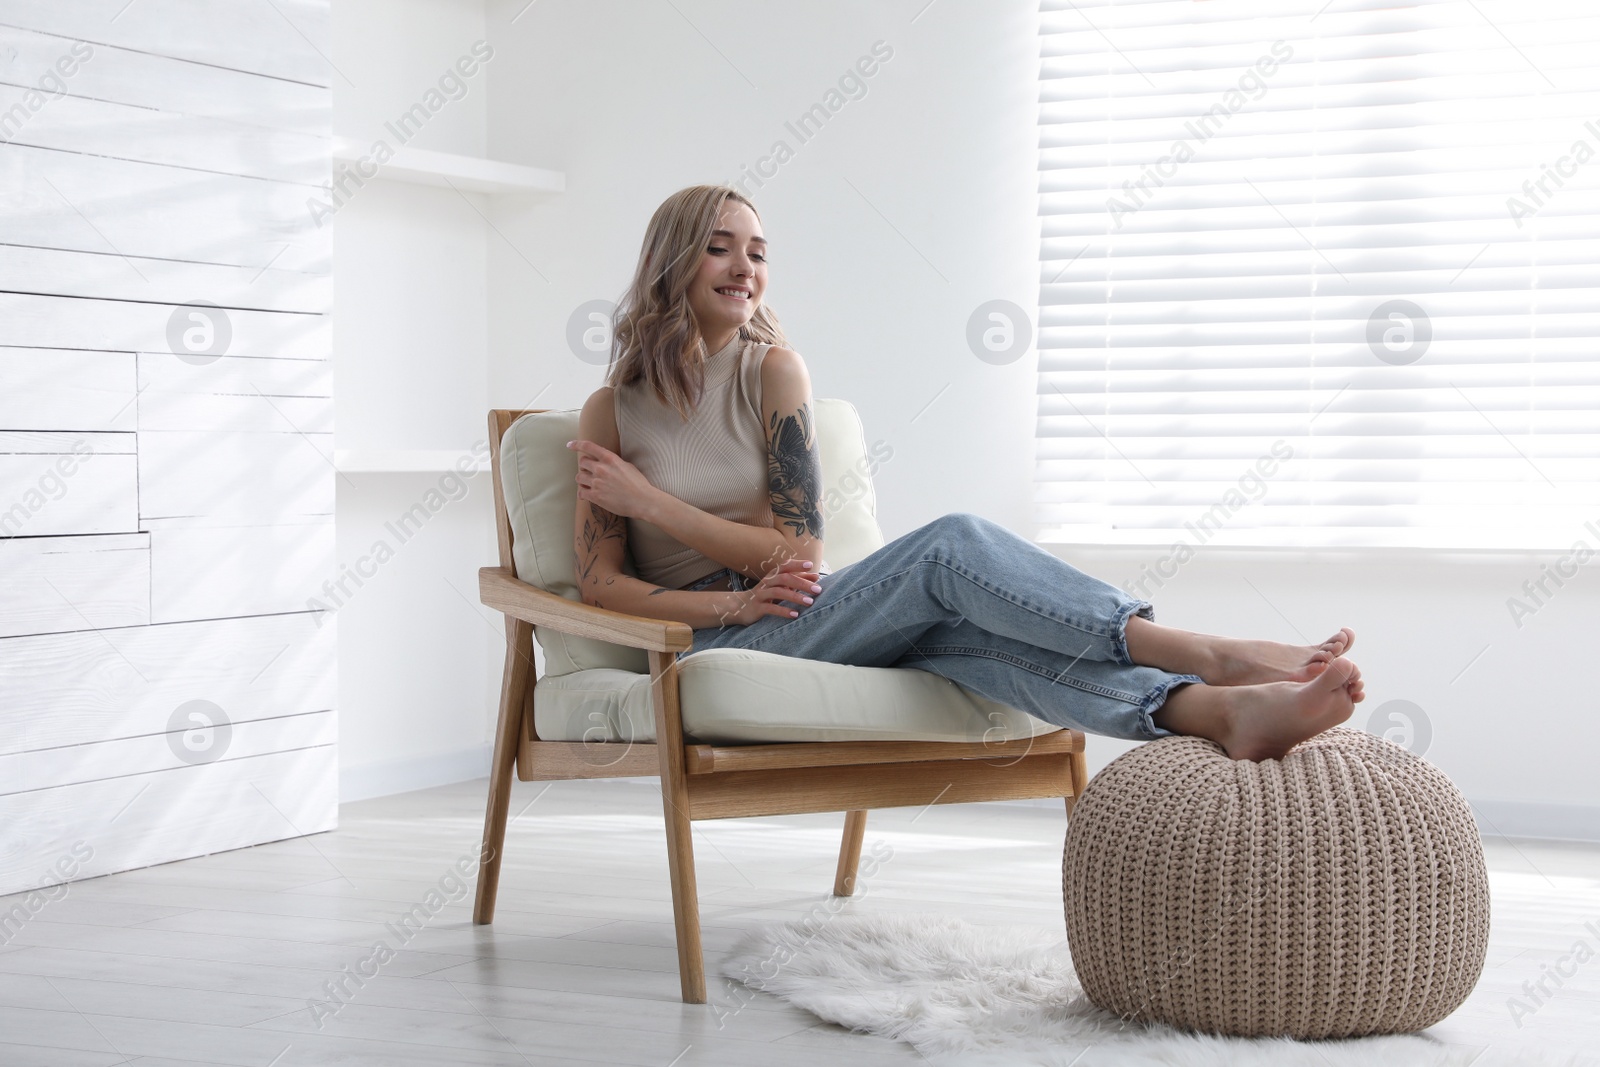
x: 794, y: 459
x: 600, y: 538
x: 794, y: 484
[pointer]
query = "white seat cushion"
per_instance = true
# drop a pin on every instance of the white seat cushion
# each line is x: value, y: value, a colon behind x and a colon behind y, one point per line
x: 738, y: 696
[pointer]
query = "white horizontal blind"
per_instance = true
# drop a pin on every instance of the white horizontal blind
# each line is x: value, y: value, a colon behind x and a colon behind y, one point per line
x: 1235, y: 196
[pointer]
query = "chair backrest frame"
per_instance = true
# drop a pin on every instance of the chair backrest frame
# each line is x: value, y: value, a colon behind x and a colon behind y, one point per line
x: 500, y: 420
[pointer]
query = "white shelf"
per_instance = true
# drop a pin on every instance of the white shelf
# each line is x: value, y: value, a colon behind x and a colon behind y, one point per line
x: 470, y: 173
x: 402, y: 460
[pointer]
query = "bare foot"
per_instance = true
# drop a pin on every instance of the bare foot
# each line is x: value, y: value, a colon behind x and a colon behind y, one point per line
x: 1239, y: 661
x: 1266, y: 720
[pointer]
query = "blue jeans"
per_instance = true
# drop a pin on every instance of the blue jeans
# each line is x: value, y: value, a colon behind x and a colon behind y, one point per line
x: 738, y: 580
x: 965, y: 598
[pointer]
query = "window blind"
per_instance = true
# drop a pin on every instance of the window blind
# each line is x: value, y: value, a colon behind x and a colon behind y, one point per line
x: 1321, y: 273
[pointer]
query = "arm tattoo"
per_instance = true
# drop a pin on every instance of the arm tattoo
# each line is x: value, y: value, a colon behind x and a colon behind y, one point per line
x: 599, y: 527
x: 794, y: 472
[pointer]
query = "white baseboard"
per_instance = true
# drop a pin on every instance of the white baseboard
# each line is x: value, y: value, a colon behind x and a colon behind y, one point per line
x: 423, y: 772
x: 1549, y: 822
x: 1495, y: 818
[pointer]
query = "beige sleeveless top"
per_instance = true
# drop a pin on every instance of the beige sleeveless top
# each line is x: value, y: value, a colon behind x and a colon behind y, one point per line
x: 717, y: 460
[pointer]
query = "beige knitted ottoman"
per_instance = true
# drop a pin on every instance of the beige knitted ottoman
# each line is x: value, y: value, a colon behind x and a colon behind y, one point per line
x: 1337, y: 892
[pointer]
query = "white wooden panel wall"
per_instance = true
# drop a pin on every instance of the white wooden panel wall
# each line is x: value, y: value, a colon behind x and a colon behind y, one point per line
x: 164, y: 516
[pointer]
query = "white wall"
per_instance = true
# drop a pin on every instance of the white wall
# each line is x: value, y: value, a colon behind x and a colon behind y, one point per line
x: 418, y: 658
x: 165, y: 499
x: 1506, y: 712
x: 911, y: 206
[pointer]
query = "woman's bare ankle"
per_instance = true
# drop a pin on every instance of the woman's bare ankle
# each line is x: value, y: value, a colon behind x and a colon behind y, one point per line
x: 1175, y: 651
x: 1196, y: 710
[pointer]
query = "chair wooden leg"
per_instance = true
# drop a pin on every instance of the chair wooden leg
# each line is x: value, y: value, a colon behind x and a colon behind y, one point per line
x: 513, y: 693
x: 855, y: 828
x: 680, y: 840
x: 1078, y: 763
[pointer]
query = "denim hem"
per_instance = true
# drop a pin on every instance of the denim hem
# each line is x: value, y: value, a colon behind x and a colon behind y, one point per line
x: 1119, y: 628
x: 1155, y: 698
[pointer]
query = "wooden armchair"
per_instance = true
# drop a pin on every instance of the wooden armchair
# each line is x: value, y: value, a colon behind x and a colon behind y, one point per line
x: 940, y: 745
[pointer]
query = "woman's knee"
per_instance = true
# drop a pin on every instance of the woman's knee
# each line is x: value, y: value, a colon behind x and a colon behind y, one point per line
x: 956, y: 527
x: 959, y: 522
x: 970, y: 528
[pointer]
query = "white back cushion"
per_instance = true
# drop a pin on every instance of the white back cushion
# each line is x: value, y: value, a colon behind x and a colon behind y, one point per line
x: 538, y: 475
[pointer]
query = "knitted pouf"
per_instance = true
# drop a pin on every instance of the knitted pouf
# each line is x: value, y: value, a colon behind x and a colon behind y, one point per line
x: 1337, y: 892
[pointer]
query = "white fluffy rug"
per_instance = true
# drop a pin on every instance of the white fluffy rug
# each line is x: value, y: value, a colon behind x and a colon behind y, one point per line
x: 965, y: 994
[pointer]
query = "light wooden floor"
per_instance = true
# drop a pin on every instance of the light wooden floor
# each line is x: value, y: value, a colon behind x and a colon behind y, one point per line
x: 213, y: 960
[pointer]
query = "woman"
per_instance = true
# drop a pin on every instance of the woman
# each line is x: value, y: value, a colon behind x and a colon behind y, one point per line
x: 700, y: 454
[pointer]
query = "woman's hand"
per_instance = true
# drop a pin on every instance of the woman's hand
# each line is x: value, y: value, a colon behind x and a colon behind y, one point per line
x: 784, y: 591
x: 606, y: 479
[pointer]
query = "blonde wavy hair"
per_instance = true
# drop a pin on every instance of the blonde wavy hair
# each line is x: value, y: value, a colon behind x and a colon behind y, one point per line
x: 654, y: 336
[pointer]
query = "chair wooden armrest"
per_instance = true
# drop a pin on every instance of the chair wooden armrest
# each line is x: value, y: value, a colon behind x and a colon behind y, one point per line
x: 500, y: 589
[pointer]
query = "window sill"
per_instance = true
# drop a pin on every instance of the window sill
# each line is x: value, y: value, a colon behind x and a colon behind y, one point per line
x: 1318, y: 553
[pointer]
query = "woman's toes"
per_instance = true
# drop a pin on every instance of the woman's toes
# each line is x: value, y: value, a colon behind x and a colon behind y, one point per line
x: 1329, y: 650
x: 1340, y: 673
x: 1353, y: 685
